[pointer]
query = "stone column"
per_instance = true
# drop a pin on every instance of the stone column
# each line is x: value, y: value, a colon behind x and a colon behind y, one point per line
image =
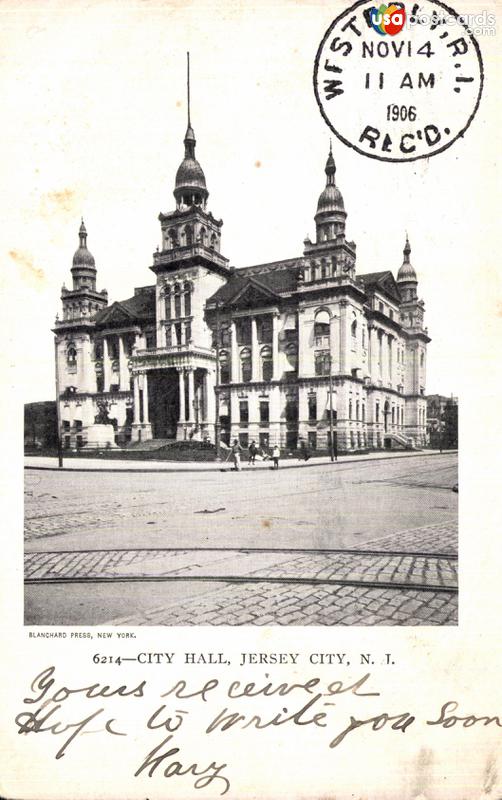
x: 275, y: 347
x: 181, y: 377
x: 234, y: 366
x: 343, y: 337
x: 334, y: 347
x: 106, y: 366
x: 191, y: 396
x: 209, y: 378
x: 255, y: 356
x: 146, y: 417
x: 136, y: 399
x: 303, y: 411
x: 275, y: 416
x: 123, y: 369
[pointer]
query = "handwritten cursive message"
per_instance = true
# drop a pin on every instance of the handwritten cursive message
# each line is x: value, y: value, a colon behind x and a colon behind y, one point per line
x: 212, y: 708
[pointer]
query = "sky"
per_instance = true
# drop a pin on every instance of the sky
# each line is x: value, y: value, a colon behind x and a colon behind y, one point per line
x: 94, y: 111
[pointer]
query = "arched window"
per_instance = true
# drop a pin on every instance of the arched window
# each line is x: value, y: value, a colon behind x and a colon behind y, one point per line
x: 167, y: 302
x: 187, y: 289
x: 245, y: 365
x: 353, y: 328
x: 350, y: 409
x: 292, y: 356
x: 225, y: 335
x: 188, y: 231
x: 266, y: 363
x: 324, y: 269
x: 177, y: 301
x: 224, y: 367
x: 321, y: 329
x: 71, y: 355
x: 173, y: 237
x: 213, y: 241
x: 98, y: 351
x: 357, y: 409
x: 202, y: 235
x: 363, y: 415
x: 422, y: 359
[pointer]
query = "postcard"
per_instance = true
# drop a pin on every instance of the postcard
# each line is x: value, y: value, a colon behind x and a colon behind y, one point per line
x: 251, y: 315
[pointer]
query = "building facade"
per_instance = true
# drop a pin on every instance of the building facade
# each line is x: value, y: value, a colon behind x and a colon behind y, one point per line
x: 254, y: 349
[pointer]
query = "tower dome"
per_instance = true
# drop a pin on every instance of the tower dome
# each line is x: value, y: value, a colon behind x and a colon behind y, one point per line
x: 190, y: 175
x: 406, y: 272
x: 190, y: 184
x: 82, y: 256
x: 330, y: 198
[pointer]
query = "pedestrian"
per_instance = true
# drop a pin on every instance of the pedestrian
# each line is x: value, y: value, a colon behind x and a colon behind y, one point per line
x: 304, y: 453
x: 236, y: 455
x: 276, y: 454
x: 253, y: 452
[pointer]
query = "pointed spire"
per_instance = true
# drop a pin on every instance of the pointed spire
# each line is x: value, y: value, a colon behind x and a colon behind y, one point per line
x: 406, y: 271
x: 82, y: 233
x: 189, y: 140
x: 407, y: 250
x: 330, y: 168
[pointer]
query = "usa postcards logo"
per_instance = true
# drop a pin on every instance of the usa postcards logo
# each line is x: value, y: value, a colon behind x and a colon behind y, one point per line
x: 388, y: 19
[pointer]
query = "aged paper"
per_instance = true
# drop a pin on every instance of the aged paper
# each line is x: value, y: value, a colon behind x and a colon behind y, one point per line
x: 94, y: 115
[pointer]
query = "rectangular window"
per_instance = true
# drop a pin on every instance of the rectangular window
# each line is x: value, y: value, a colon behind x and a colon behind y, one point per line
x: 312, y: 408
x: 169, y: 336
x: 243, y: 439
x: 100, y: 383
x: 264, y: 411
x: 177, y: 331
x: 377, y: 413
x: 114, y: 387
x: 151, y: 340
x: 312, y: 440
x: 265, y: 330
x: 67, y: 442
x: 177, y: 305
x: 80, y: 442
x: 291, y: 440
x: 188, y: 304
x: 291, y: 411
x: 246, y: 371
x: 244, y: 331
x: 66, y: 424
x: 78, y: 424
x: 188, y: 332
x: 322, y: 360
x: 267, y: 369
x: 244, y: 411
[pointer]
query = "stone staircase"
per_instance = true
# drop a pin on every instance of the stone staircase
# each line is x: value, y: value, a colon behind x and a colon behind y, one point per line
x: 398, y: 441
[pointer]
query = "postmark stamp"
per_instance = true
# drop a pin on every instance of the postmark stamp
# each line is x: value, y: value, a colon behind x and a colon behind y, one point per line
x: 398, y: 82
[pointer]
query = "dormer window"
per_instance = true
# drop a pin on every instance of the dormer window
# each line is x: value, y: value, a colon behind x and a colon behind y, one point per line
x: 71, y: 355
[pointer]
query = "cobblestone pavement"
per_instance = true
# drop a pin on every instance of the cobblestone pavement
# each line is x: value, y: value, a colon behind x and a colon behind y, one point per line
x: 273, y: 604
x: 365, y: 567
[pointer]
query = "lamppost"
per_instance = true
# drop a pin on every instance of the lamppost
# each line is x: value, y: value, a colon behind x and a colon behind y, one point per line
x: 58, y: 412
x: 216, y: 390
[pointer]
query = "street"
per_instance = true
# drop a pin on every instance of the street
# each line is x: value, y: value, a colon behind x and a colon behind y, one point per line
x: 363, y: 543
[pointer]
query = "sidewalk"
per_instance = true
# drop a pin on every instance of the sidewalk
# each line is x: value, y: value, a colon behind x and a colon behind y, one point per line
x: 101, y: 465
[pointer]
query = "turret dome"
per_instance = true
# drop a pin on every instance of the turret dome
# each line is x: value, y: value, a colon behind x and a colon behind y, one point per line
x: 330, y: 198
x: 406, y: 272
x: 83, y: 257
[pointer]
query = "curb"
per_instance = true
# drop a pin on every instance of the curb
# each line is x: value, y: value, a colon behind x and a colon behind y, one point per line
x: 222, y: 468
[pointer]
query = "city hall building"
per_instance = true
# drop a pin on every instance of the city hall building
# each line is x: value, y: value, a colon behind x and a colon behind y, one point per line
x: 253, y: 350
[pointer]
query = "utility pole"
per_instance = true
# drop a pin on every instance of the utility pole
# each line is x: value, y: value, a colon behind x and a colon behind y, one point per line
x: 216, y: 390
x: 333, y: 454
x: 58, y: 413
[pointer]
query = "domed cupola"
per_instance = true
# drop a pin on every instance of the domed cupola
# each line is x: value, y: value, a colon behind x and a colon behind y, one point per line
x: 330, y: 198
x: 190, y: 185
x: 406, y: 272
x: 84, y: 267
x: 82, y: 256
x: 331, y: 215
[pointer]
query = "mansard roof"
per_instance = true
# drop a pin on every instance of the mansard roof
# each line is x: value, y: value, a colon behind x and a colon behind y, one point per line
x: 383, y: 282
x: 274, y: 278
x: 137, y: 309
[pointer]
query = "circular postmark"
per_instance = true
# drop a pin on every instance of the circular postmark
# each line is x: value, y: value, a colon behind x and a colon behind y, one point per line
x: 398, y: 82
